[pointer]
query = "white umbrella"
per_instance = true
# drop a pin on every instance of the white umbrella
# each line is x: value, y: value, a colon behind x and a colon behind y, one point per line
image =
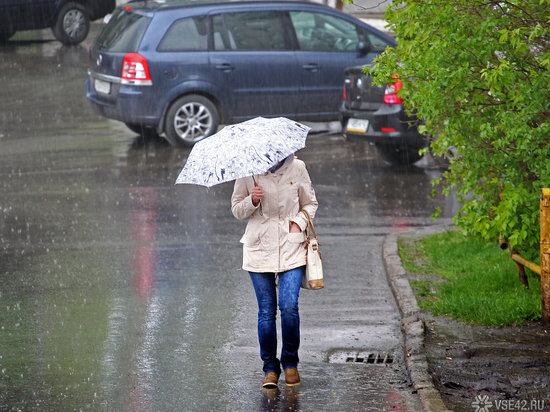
x: 241, y: 150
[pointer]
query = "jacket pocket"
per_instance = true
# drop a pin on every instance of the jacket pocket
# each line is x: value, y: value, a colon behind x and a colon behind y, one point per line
x: 297, y: 237
x: 250, y: 241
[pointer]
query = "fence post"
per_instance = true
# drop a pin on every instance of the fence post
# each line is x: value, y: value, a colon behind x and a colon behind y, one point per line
x: 545, y: 254
x: 521, y: 270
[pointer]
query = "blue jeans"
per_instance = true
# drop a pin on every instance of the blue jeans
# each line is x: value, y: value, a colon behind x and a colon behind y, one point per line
x: 266, y: 294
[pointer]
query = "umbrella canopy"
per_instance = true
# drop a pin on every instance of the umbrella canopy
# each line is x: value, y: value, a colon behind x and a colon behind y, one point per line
x: 241, y: 150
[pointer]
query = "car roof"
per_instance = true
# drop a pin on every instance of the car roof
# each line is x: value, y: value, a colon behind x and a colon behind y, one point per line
x: 154, y: 5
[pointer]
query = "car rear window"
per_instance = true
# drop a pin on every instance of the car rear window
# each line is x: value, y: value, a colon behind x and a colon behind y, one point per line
x: 123, y: 33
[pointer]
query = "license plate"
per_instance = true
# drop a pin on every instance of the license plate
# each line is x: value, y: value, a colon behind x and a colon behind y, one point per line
x: 102, y: 87
x: 357, y: 125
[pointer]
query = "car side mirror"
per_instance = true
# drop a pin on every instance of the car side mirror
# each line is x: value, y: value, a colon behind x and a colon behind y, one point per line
x: 364, y: 46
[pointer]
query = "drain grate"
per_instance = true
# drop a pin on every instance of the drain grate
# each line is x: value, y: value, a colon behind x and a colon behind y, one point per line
x: 372, y: 358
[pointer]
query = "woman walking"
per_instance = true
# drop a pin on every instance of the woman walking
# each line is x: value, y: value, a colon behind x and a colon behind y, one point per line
x: 274, y: 247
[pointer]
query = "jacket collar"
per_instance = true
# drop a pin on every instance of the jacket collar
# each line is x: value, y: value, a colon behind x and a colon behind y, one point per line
x: 278, y: 167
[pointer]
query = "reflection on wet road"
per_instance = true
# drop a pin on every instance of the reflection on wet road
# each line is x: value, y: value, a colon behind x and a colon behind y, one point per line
x: 122, y: 292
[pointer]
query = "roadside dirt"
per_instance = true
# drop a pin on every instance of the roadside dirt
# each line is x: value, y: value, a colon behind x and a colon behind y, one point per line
x: 509, y: 365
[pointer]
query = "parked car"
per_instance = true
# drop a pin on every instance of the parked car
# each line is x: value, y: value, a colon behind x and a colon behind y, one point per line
x: 376, y: 114
x: 183, y: 68
x: 68, y: 19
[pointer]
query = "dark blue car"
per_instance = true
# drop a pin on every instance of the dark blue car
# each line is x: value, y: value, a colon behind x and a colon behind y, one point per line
x: 183, y: 68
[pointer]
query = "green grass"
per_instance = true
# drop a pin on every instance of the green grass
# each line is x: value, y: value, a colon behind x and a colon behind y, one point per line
x: 469, y: 280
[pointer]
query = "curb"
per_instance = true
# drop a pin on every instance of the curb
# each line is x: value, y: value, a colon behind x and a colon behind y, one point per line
x: 412, y: 326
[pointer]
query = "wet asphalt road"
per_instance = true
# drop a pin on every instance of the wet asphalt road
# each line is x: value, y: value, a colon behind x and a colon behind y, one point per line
x: 122, y: 292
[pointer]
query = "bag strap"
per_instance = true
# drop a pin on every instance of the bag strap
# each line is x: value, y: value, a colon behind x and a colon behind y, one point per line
x: 309, y: 225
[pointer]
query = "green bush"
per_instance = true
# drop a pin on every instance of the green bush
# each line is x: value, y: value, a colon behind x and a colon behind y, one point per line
x: 477, y: 74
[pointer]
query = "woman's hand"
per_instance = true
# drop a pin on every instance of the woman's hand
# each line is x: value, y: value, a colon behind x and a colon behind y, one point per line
x: 295, y: 228
x: 257, y: 193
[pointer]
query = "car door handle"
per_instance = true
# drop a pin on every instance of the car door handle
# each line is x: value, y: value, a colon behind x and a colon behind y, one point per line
x: 313, y: 67
x: 225, y: 67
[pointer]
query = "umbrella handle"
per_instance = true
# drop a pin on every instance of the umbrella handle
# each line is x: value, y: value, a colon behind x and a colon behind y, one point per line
x: 260, y: 201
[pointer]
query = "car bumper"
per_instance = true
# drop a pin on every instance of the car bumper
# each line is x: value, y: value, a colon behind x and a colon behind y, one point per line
x: 131, y: 105
x: 387, y: 125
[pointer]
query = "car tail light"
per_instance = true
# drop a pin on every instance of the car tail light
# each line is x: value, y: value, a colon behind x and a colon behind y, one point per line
x: 135, y: 70
x: 390, y: 94
x: 388, y: 129
x: 347, y: 83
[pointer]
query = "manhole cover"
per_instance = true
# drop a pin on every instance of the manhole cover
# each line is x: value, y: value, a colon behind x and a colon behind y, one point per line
x: 365, y: 357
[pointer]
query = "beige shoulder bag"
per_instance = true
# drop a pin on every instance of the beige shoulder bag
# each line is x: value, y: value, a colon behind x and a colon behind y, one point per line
x: 313, y: 278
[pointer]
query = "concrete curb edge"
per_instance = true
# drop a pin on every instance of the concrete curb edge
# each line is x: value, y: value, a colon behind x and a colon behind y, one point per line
x: 412, y: 326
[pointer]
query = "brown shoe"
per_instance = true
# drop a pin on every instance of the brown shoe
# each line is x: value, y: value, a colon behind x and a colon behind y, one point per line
x: 270, y: 380
x: 292, y: 377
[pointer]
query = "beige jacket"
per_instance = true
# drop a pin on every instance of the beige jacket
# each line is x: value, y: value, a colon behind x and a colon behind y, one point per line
x: 267, y: 244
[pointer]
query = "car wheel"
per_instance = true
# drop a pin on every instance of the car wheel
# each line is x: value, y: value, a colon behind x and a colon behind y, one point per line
x: 147, y: 132
x: 398, y: 154
x: 72, y: 24
x: 190, y: 119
